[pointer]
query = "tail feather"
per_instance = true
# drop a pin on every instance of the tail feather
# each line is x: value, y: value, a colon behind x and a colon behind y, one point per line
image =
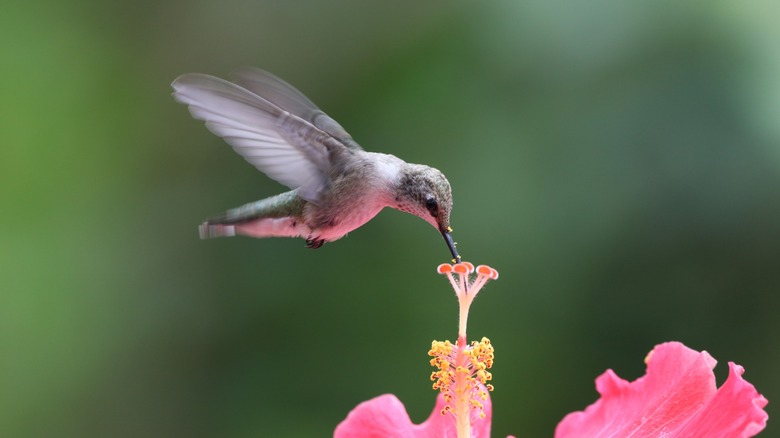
x: 208, y: 231
x: 275, y: 216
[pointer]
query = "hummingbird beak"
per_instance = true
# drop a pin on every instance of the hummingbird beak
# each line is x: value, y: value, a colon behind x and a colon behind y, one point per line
x: 450, y: 244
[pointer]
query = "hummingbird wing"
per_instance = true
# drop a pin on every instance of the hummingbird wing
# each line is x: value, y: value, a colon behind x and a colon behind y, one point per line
x: 280, y: 144
x: 289, y: 98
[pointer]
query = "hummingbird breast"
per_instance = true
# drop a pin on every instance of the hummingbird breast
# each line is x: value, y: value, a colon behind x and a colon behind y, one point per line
x: 339, y: 226
x: 355, y: 194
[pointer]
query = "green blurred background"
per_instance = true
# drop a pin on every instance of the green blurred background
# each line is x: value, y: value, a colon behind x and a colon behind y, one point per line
x: 617, y: 162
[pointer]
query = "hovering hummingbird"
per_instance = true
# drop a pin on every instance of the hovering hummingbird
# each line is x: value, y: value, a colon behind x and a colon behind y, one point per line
x: 336, y: 185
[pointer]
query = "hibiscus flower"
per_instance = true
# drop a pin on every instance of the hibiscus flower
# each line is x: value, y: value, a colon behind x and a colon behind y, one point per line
x: 676, y: 398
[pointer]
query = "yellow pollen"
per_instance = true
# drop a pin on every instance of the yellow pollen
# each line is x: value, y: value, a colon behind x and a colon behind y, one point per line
x: 462, y: 374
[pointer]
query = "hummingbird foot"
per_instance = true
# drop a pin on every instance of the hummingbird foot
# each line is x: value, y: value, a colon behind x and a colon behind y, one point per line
x: 314, y: 243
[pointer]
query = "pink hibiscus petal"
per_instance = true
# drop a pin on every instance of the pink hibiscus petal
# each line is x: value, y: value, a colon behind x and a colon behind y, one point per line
x: 677, y: 397
x: 735, y: 410
x: 385, y: 417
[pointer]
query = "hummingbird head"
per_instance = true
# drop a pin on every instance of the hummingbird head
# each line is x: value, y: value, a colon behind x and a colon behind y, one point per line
x: 425, y: 192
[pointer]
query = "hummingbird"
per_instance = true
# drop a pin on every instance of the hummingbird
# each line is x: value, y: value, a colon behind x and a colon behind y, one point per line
x: 336, y: 186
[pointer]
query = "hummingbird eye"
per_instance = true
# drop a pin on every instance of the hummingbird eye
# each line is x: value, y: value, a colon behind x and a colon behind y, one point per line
x: 432, y: 206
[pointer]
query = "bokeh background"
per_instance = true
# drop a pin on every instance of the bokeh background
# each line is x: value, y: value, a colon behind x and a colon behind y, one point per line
x: 617, y: 162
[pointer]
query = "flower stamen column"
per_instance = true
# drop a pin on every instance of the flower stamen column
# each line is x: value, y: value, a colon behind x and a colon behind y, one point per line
x: 462, y: 374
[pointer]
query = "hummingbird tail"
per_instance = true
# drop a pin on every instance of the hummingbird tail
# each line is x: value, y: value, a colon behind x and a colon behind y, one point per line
x: 208, y: 231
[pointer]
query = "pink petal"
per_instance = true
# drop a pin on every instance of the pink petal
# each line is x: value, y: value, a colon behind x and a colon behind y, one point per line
x: 677, y: 397
x: 386, y: 417
x: 735, y: 411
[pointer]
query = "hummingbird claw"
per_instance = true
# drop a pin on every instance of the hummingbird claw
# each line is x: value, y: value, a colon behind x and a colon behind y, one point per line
x: 314, y: 243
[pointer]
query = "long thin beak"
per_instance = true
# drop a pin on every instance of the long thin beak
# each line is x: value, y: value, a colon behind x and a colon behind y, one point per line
x: 451, y: 245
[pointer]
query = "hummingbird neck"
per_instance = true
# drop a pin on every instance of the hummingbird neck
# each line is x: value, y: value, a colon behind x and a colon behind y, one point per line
x: 387, y: 171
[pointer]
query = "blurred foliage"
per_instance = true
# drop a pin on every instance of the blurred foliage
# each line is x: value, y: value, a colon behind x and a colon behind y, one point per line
x: 618, y: 164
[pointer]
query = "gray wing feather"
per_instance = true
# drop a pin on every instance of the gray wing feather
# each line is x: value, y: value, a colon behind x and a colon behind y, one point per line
x: 276, y: 91
x: 288, y: 97
x: 279, y: 143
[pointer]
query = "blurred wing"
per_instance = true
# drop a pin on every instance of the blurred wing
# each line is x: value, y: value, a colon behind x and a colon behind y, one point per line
x: 285, y: 96
x: 282, y: 145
